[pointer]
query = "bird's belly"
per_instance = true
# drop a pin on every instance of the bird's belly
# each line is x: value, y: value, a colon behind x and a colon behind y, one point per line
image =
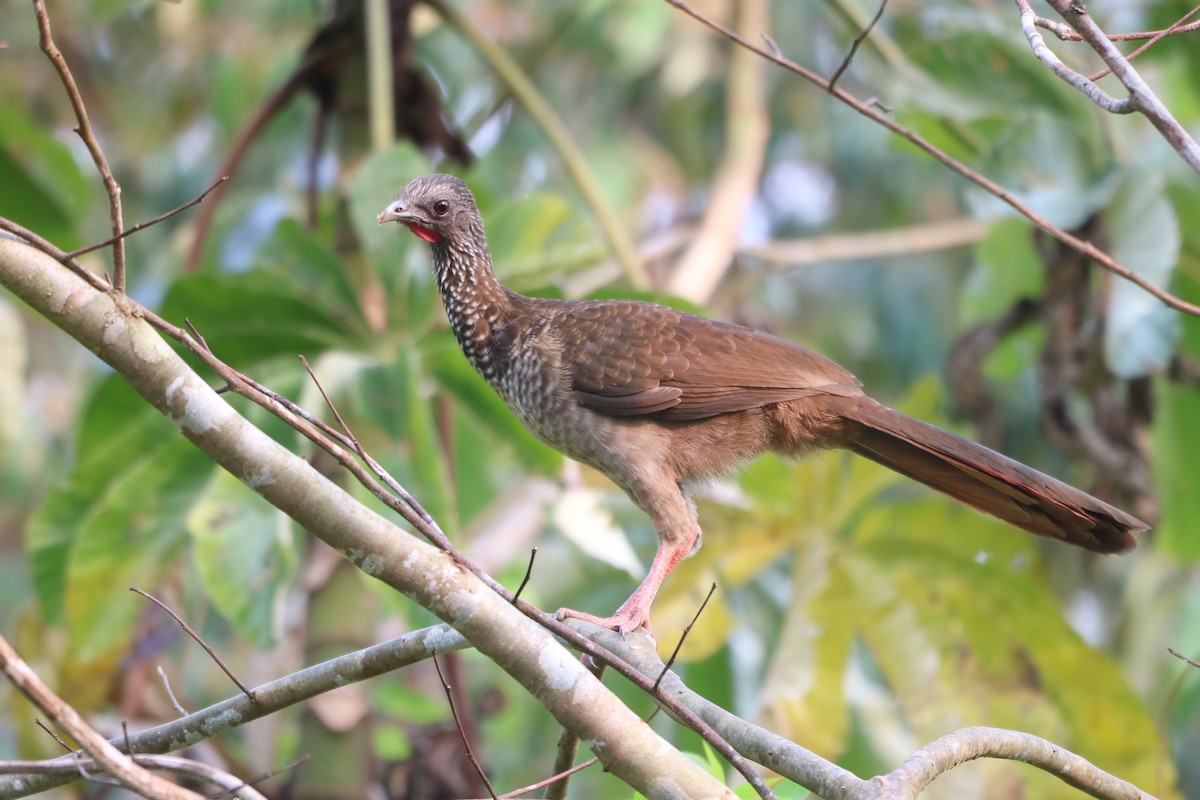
x: 559, y: 421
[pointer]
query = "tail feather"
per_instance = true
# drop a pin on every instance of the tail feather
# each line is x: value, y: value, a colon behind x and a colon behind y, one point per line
x: 986, y: 480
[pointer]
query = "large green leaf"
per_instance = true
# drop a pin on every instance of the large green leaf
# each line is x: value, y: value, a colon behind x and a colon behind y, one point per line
x: 245, y: 554
x: 129, y: 458
x: 44, y: 189
x: 255, y: 316
x: 1140, y: 332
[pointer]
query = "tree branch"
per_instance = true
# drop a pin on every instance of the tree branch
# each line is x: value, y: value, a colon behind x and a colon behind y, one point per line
x: 46, y: 40
x: 114, y: 328
x: 1141, y: 96
x: 113, y: 761
x: 991, y: 187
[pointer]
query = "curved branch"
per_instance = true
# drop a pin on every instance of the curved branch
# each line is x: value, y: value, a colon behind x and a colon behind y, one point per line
x: 828, y: 780
x: 1141, y: 96
x: 116, y: 215
x: 942, y: 755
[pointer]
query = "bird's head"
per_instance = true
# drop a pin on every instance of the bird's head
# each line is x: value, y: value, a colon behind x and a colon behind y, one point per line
x: 434, y: 207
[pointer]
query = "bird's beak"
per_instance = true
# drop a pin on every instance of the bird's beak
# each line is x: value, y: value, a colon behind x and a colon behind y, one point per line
x: 397, y: 213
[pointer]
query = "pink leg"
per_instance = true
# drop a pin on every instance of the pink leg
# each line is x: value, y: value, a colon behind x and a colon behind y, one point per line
x: 635, y: 611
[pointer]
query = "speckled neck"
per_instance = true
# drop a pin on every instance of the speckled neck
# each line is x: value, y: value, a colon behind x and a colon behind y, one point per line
x: 477, y: 304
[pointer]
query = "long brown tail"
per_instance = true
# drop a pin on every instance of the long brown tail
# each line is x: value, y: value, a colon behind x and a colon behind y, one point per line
x: 986, y: 480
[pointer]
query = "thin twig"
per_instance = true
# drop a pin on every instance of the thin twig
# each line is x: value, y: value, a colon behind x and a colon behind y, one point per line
x: 858, y: 40
x: 199, y: 640
x: 1064, y: 32
x: 125, y: 736
x: 462, y: 733
x: 528, y: 574
x: 683, y: 637
x: 179, y: 709
x: 46, y: 41
x: 348, y: 439
x: 1183, y: 658
x: 1087, y: 248
x: 249, y: 783
x: 142, y: 225
x: 1157, y: 37
x: 53, y: 735
x: 533, y: 787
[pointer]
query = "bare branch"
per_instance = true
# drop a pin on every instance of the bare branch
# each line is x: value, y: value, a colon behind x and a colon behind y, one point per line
x: 142, y: 225
x: 1141, y: 96
x: 533, y: 787
x: 46, y: 40
x: 462, y: 733
x: 162, y: 675
x: 112, y: 760
x: 1154, y: 39
x: 941, y: 755
x: 1065, y: 33
x: 528, y: 575
x: 1047, y: 57
x: 1183, y: 658
x: 858, y: 40
x: 865, y: 109
x: 199, y: 640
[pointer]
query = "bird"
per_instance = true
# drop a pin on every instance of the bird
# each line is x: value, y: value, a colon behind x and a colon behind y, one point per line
x: 660, y: 401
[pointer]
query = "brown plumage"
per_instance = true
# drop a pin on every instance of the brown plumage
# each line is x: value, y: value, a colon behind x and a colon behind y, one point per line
x: 656, y: 399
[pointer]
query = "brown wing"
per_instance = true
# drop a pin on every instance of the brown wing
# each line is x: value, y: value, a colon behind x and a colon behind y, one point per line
x: 629, y: 358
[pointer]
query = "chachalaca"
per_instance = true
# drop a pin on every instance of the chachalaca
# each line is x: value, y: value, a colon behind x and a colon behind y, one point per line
x: 657, y: 400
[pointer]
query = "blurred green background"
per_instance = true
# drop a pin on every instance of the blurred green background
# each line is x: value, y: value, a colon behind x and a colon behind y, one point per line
x: 856, y: 613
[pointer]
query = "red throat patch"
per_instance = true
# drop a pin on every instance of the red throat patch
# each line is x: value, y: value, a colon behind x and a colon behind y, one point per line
x: 424, y: 233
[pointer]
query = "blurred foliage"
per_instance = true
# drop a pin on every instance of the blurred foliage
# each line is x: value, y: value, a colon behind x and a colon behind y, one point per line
x: 855, y: 613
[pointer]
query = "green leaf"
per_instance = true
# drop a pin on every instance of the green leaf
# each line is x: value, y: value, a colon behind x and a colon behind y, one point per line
x: 129, y: 539
x: 1008, y: 268
x: 1141, y: 333
x: 255, y: 316
x: 413, y: 706
x: 1176, y: 436
x: 245, y: 553
x: 379, y: 181
x: 44, y: 189
x: 129, y: 456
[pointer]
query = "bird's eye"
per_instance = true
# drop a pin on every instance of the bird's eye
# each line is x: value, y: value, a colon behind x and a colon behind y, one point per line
x: 441, y: 207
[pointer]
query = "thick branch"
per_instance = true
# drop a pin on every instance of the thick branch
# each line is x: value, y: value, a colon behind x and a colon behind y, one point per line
x: 111, y: 327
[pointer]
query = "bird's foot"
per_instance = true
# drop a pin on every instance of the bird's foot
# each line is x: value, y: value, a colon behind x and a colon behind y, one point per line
x: 629, y: 617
